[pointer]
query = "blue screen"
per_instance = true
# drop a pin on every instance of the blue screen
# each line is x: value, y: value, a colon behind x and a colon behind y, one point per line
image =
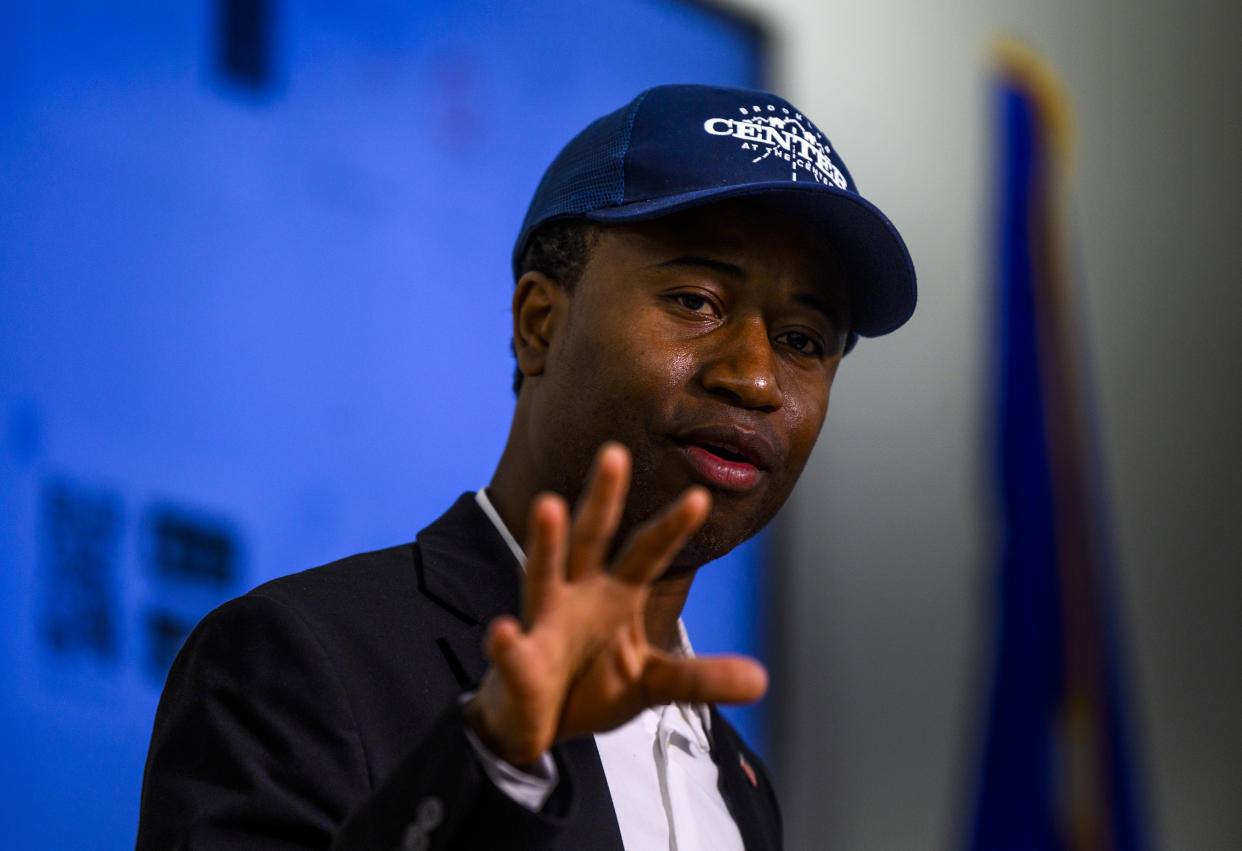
x: 254, y: 316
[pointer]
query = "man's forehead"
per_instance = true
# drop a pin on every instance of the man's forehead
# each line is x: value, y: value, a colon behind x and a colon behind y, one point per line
x: 741, y: 238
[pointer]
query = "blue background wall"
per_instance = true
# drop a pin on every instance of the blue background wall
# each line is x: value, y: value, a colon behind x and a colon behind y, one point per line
x: 254, y: 291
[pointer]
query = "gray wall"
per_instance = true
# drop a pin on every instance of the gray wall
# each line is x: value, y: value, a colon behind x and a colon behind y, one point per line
x: 887, y: 542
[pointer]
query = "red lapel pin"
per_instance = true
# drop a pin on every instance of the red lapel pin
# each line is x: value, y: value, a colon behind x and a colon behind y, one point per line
x: 748, y: 771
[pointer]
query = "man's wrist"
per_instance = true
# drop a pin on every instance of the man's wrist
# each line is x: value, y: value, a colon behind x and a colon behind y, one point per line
x: 530, y: 786
x: 476, y: 717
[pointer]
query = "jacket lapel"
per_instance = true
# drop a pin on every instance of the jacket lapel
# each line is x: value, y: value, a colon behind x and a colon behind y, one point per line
x: 466, y: 567
x: 745, y: 787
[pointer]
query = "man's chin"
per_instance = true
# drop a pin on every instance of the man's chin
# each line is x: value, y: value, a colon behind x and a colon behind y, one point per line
x: 713, y: 541
x: 735, y: 517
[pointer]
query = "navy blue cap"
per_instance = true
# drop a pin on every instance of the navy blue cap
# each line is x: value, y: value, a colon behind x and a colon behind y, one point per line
x: 681, y: 146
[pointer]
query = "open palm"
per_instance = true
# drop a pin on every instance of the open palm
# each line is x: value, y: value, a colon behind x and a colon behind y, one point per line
x: 580, y: 662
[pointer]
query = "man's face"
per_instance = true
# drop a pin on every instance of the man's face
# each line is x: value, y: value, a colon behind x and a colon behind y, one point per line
x: 706, y: 342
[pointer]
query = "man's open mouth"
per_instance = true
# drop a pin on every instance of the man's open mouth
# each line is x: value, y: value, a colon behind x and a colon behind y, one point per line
x: 725, y: 453
x: 727, y: 457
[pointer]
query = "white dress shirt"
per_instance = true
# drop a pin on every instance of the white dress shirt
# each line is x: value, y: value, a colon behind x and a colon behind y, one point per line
x: 658, y: 765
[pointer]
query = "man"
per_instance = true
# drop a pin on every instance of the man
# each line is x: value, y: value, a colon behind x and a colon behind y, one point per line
x: 690, y: 273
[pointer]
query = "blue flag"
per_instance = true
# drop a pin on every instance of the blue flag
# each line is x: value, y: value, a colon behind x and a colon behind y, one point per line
x: 1056, y: 771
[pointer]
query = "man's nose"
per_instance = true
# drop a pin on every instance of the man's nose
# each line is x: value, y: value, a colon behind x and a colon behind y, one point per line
x: 742, y: 366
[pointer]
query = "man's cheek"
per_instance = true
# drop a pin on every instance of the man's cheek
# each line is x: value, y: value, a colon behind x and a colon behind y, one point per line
x: 679, y: 366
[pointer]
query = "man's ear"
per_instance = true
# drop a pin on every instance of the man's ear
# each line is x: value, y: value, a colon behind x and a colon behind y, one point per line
x: 539, y: 305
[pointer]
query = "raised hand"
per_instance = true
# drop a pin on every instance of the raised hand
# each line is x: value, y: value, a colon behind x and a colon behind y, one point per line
x: 579, y: 662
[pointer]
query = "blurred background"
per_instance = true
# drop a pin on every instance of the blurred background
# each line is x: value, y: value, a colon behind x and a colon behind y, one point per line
x: 254, y: 285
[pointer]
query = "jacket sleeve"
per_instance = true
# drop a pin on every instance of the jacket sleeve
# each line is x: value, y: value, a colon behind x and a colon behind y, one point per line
x: 255, y: 746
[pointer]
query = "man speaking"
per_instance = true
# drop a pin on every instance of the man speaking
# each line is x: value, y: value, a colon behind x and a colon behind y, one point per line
x: 690, y: 273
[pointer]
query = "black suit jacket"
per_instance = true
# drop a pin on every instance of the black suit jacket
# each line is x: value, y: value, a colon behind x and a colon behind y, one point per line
x: 321, y: 710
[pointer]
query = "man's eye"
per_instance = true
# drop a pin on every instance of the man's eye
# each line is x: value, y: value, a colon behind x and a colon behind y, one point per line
x: 694, y: 302
x: 800, y: 342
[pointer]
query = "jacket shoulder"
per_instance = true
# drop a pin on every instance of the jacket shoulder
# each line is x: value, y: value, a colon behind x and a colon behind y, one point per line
x: 352, y: 583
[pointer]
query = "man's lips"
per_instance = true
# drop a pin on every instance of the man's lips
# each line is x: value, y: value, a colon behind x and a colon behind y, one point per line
x: 728, y: 457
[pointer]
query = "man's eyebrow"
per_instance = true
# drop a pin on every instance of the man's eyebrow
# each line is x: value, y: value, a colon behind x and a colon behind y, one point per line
x: 822, y: 305
x: 816, y: 302
x: 694, y: 260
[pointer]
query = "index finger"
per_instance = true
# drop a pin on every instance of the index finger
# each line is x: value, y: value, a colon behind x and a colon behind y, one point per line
x: 545, y: 548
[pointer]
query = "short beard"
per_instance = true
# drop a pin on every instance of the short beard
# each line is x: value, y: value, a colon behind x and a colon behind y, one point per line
x: 713, y: 540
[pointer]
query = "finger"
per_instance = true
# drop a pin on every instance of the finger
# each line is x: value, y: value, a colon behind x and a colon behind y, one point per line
x: 545, y: 552
x: 503, y: 634
x: 654, y: 544
x: 599, y: 510
x: 715, y: 679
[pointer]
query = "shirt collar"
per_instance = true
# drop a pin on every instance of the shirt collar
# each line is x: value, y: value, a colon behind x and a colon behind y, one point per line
x: 480, y: 496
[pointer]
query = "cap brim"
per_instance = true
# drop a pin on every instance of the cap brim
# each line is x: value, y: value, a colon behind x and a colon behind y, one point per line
x: 881, y: 274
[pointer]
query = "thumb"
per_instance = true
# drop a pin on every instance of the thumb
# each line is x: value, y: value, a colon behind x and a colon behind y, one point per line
x: 714, y: 679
